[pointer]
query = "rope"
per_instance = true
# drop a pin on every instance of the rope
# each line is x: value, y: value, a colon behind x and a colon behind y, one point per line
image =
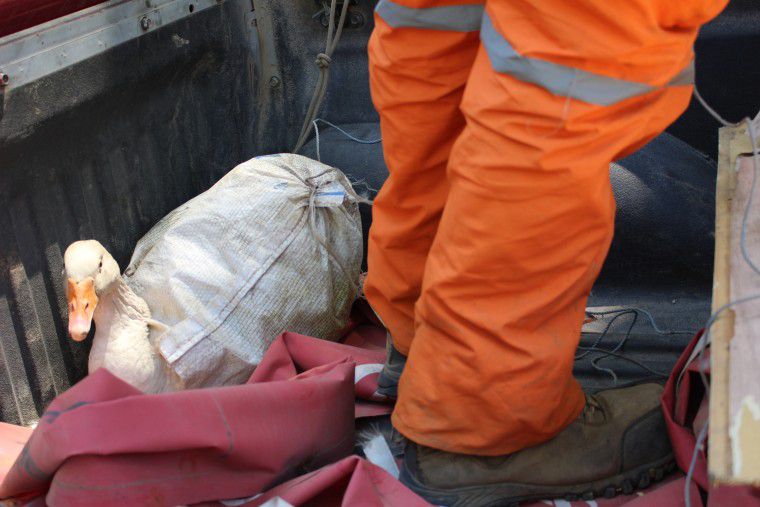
x: 312, y: 218
x: 322, y: 61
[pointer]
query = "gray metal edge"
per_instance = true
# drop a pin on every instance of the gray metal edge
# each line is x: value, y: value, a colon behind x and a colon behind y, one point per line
x: 47, y: 48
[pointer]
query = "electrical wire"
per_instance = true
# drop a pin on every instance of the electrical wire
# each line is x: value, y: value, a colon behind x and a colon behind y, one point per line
x: 698, y: 445
x: 621, y: 343
x: 706, y: 383
x: 753, y: 139
x: 645, y: 313
x: 350, y: 136
x: 615, y: 351
x: 637, y: 363
x: 595, y: 346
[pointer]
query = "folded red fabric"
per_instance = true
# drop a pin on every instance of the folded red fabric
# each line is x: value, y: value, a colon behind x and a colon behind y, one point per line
x: 104, y: 443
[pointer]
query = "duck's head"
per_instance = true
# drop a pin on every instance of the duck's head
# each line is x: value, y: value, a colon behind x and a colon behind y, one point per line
x: 90, y: 273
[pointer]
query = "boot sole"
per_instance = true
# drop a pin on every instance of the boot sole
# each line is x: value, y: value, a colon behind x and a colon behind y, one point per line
x: 511, y: 494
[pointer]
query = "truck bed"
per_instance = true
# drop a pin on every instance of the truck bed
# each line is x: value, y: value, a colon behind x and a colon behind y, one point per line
x: 114, y: 115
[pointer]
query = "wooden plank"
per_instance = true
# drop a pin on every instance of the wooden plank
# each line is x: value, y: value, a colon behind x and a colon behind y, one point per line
x: 719, y: 452
x: 744, y: 348
x: 734, y: 356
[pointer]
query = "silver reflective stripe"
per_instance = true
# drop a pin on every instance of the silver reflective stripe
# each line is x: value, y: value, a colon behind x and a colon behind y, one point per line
x: 685, y: 77
x: 563, y: 80
x: 456, y: 18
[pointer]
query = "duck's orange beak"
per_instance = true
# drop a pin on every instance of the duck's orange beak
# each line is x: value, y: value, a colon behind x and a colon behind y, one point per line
x: 82, y: 301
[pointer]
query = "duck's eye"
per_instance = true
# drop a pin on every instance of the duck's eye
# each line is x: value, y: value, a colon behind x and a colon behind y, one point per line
x: 87, y: 305
x: 100, y: 264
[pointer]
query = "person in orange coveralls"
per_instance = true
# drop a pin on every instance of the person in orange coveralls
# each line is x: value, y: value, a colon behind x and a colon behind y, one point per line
x: 499, y: 122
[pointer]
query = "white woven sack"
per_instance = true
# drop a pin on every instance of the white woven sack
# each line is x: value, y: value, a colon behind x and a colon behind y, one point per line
x: 275, y: 245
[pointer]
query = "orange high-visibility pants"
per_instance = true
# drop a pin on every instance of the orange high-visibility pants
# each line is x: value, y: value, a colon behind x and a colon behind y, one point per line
x: 499, y: 123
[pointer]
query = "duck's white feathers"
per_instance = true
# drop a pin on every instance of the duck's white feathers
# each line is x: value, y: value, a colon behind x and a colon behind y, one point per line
x: 125, y: 334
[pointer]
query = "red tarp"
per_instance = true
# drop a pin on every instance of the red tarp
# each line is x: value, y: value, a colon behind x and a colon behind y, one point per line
x: 17, y: 15
x: 350, y: 482
x: 685, y: 406
x: 103, y: 443
x: 12, y: 440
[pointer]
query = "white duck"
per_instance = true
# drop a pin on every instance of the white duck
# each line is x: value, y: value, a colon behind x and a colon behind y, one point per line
x: 125, y: 334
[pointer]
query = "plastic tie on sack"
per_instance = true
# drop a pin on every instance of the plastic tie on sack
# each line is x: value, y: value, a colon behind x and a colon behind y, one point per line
x: 331, y: 195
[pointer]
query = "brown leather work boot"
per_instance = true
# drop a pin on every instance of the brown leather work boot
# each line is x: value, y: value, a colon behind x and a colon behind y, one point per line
x: 617, y: 444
